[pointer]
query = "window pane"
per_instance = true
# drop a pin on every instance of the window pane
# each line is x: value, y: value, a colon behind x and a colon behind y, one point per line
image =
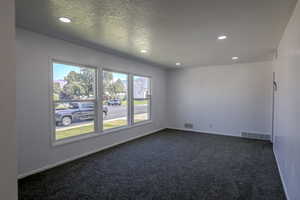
x: 73, y: 119
x: 141, y: 110
x: 142, y: 95
x: 115, y: 100
x: 73, y: 82
x: 141, y: 87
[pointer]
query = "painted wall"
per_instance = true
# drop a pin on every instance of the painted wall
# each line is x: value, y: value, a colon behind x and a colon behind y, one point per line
x: 222, y: 99
x: 8, y: 157
x: 287, y: 106
x: 33, y: 118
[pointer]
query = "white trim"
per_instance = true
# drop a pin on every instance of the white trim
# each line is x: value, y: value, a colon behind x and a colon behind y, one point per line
x: 217, y: 133
x: 85, y: 154
x: 281, y: 176
x: 53, y: 141
x: 122, y: 128
x: 130, y: 100
x: 75, y: 139
x: 207, y: 132
x: 256, y: 132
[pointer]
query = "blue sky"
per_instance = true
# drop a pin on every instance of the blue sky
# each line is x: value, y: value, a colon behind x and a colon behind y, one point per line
x: 61, y: 70
x: 117, y: 76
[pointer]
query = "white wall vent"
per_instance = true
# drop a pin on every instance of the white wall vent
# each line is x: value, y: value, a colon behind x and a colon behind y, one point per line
x: 258, y: 136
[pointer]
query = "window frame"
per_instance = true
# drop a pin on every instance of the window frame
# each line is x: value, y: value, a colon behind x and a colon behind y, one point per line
x: 149, y: 109
x: 52, y: 105
x: 98, y: 102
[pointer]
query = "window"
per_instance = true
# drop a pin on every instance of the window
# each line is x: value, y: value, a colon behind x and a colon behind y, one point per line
x: 141, y: 98
x: 74, y: 100
x: 115, y: 100
x: 80, y: 100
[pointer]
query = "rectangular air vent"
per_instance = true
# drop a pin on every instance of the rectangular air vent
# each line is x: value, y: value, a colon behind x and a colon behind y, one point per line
x: 257, y: 136
x: 188, y: 125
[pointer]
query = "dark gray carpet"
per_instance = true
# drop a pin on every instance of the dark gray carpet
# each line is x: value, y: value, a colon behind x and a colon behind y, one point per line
x: 167, y: 165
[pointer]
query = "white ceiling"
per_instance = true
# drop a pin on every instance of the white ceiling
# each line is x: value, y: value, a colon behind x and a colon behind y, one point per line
x: 172, y: 31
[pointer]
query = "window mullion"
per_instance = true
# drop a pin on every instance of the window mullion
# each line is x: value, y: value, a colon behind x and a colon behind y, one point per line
x: 100, y: 99
x: 130, y: 99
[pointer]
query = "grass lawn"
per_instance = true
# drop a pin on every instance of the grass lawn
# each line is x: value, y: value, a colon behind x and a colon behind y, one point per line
x: 84, y: 129
x: 88, y: 129
x: 136, y: 102
x: 74, y: 132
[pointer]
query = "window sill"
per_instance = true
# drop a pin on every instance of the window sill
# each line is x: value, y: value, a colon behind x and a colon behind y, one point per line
x: 90, y: 135
x: 74, y: 139
x: 114, y: 130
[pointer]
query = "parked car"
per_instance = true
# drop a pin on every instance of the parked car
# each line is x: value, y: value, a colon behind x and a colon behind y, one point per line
x: 114, y: 102
x: 76, y: 111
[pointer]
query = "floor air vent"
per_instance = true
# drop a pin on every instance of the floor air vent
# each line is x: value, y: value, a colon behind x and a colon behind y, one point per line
x: 188, y: 125
x: 257, y: 136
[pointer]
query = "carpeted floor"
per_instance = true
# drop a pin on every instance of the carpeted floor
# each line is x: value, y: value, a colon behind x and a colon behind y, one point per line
x: 168, y: 165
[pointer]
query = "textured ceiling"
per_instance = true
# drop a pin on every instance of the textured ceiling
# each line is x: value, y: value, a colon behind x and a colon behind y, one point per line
x: 171, y: 30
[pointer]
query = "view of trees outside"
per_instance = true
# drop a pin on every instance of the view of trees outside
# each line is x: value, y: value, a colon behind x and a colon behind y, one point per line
x: 74, y: 90
x: 79, y: 84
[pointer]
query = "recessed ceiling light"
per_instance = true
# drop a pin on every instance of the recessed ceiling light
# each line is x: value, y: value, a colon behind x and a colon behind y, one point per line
x: 64, y: 19
x: 222, y: 37
x: 178, y: 64
x: 144, y: 51
x: 235, y: 58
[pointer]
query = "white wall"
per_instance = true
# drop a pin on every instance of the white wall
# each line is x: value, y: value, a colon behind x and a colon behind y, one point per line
x: 33, y: 119
x: 8, y: 157
x: 287, y: 123
x: 222, y: 99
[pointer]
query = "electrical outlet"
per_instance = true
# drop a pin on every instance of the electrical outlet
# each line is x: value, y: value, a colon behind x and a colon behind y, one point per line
x: 188, y: 125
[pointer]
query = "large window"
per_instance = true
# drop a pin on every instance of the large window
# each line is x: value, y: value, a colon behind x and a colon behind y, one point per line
x: 141, y: 98
x: 80, y: 100
x: 115, y: 100
x: 74, y: 97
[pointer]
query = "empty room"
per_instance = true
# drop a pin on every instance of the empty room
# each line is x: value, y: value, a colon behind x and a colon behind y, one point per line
x: 150, y: 100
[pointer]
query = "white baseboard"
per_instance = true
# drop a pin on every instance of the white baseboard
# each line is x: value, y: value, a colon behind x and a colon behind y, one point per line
x: 216, y: 133
x: 84, y: 154
x: 281, y: 176
x: 207, y: 132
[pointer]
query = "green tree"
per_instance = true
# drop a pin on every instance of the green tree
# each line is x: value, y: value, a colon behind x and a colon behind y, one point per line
x: 107, y: 79
x: 119, y: 86
x: 72, y: 89
x: 79, y: 84
x: 115, y: 88
x: 87, y: 81
x: 56, y: 91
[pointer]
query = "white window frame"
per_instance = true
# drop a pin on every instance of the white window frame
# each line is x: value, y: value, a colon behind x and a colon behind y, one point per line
x: 53, y: 102
x: 149, y: 98
x: 98, y: 104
